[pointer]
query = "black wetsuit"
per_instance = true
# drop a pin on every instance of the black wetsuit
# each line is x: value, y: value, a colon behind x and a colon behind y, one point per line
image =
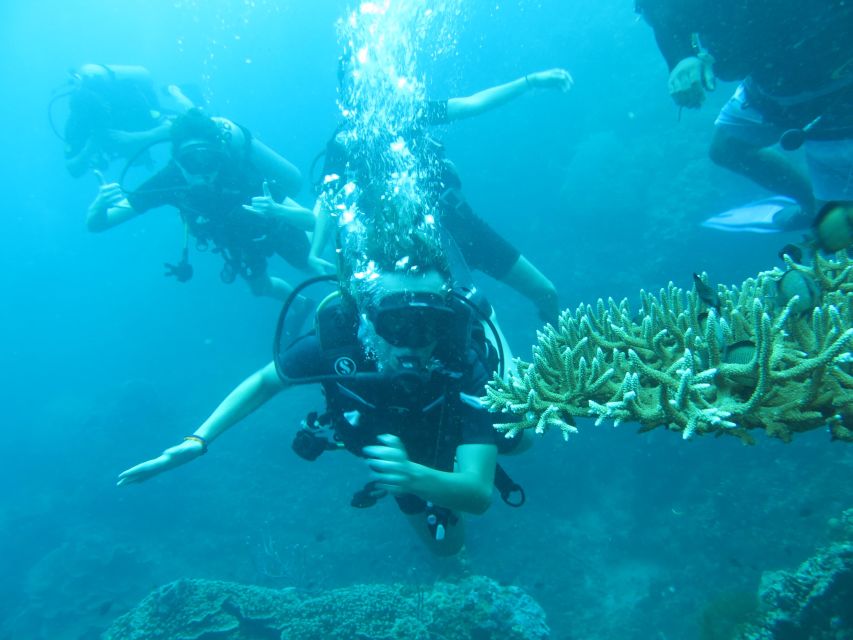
x: 107, y: 103
x: 215, y: 216
x: 432, y: 414
x: 786, y: 49
x: 481, y: 246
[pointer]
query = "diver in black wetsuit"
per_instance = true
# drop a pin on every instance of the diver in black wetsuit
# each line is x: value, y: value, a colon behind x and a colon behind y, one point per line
x: 113, y: 111
x: 402, y: 360
x: 482, y: 247
x: 795, y: 61
x: 233, y: 194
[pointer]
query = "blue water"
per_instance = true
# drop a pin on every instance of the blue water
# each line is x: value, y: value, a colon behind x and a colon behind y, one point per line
x: 105, y: 362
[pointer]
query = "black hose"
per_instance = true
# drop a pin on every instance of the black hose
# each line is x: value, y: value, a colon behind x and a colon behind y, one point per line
x: 132, y: 160
x: 282, y: 317
x: 50, y: 106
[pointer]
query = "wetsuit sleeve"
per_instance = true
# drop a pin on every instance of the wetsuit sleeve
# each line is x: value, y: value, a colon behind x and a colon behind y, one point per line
x: 477, y: 423
x: 434, y: 112
x: 301, y: 360
x: 160, y: 189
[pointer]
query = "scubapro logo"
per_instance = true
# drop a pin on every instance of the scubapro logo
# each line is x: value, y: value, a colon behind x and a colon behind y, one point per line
x: 345, y: 366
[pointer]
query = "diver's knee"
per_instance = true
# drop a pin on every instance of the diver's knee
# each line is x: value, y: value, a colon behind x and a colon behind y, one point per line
x: 259, y: 287
x: 547, y: 292
x: 448, y: 547
x: 526, y: 443
x: 721, y: 150
x: 548, y: 303
x: 729, y: 152
x: 517, y: 444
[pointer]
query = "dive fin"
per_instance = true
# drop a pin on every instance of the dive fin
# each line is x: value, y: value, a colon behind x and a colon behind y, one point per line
x: 770, y: 215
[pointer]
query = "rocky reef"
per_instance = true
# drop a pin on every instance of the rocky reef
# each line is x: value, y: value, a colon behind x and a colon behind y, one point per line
x: 812, y: 602
x: 771, y: 354
x: 475, y: 608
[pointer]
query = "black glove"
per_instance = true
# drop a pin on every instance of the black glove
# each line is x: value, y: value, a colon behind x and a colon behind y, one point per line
x: 182, y: 272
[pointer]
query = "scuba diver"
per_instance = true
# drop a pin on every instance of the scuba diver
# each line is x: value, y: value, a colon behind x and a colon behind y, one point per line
x: 795, y: 64
x: 402, y: 359
x: 113, y: 111
x: 216, y: 170
x: 349, y: 161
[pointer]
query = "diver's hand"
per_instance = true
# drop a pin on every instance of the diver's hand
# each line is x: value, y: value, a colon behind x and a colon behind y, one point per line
x: 172, y: 457
x: 109, y: 195
x: 551, y: 79
x: 390, y: 466
x: 690, y: 79
x: 264, y: 205
x: 320, y: 266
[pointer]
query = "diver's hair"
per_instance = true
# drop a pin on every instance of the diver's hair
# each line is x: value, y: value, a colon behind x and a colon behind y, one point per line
x: 194, y: 125
x: 399, y: 233
x: 412, y: 254
x: 828, y: 208
x: 395, y: 239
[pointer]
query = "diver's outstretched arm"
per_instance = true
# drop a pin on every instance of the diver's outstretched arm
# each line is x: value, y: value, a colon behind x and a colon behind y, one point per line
x: 482, y: 101
x: 324, y: 227
x: 252, y: 393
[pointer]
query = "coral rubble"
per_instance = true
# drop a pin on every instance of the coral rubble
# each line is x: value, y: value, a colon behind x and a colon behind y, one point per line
x: 751, y: 357
x: 474, y: 608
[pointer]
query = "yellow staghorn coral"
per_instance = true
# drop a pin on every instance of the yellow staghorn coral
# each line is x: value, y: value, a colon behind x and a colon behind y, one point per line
x: 754, y: 361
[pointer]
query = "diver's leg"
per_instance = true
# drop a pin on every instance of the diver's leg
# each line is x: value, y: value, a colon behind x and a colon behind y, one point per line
x: 263, y: 285
x: 517, y: 444
x: 742, y: 143
x: 484, y: 249
x: 764, y: 166
x: 525, y: 278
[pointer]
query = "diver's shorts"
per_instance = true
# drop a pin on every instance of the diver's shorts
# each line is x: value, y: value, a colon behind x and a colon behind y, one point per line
x: 830, y: 162
x: 745, y: 122
x: 293, y: 245
x: 483, y: 248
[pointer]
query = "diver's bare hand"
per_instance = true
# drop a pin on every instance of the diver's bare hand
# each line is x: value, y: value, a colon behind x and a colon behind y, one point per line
x: 264, y: 205
x: 109, y: 195
x: 320, y: 266
x: 551, y: 79
x: 172, y: 457
x: 690, y: 79
x: 390, y: 466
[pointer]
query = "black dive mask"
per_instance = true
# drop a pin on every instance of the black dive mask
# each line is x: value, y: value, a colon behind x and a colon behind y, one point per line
x: 412, y: 319
x: 200, y: 158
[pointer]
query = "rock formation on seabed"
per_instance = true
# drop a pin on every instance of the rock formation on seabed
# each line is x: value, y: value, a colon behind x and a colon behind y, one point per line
x: 476, y: 607
x: 813, y: 602
x: 771, y: 354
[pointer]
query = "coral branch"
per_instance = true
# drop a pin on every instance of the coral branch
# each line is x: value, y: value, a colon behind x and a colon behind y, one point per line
x: 754, y: 361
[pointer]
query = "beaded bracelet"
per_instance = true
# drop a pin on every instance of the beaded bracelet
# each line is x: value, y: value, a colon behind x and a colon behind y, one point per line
x: 198, y: 439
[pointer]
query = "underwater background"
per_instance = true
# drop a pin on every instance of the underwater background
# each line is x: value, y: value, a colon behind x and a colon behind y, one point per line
x: 106, y: 362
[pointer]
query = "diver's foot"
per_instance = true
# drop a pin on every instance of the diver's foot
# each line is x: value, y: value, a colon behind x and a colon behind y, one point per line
x: 793, y: 218
x: 299, y: 310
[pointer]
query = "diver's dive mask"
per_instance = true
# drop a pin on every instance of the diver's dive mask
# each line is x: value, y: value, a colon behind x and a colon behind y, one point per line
x: 200, y: 157
x: 412, y: 319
